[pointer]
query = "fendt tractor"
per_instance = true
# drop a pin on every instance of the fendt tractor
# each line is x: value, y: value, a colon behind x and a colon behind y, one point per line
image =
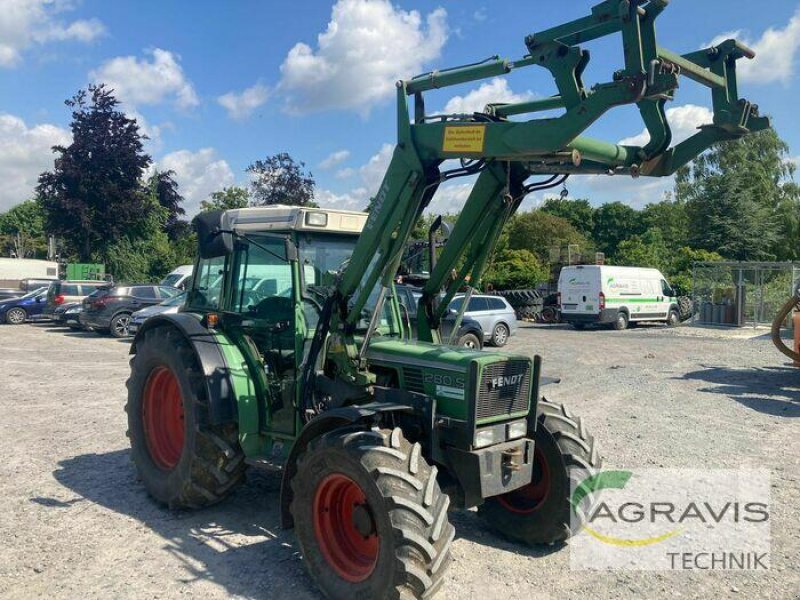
x: 292, y: 350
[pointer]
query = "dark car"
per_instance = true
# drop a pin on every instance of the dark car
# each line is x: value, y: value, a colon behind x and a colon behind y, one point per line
x: 470, y: 333
x: 58, y: 316
x: 16, y: 311
x: 109, y: 309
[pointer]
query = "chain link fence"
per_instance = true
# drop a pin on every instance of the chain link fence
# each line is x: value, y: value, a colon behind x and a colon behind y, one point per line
x: 741, y: 294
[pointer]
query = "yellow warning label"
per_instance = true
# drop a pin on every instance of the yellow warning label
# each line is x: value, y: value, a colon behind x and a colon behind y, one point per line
x: 464, y: 138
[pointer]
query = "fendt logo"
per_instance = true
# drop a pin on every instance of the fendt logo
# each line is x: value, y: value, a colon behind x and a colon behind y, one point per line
x: 505, y: 381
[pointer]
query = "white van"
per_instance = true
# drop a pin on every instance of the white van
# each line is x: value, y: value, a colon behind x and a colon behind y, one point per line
x: 616, y: 296
x: 179, y: 277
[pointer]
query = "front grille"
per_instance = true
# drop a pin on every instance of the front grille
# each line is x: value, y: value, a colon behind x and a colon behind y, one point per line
x: 505, y: 388
x: 413, y: 379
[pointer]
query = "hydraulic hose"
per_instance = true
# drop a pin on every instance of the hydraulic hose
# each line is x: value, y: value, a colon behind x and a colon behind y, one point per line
x: 785, y: 311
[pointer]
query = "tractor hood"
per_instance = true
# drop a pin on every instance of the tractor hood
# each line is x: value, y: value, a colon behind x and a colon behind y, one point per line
x: 468, y: 385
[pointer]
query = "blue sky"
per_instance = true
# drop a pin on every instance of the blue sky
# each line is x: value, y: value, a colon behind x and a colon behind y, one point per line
x: 217, y: 85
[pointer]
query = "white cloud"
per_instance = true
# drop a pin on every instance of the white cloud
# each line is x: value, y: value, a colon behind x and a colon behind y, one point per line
x: 683, y: 120
x: 334, y: 159
x: 24, y: 153
x: 24, y: 23
x: 776, y: 52
x: 198, y: 175
x: 241, y: 105
x: 495, y: 91
x: 366, y: 48
x: 370, y: 176
x: 140, y: 82
x: 345, y: 173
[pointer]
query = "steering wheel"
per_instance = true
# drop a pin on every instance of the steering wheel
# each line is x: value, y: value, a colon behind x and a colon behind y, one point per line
x: 276, y: 308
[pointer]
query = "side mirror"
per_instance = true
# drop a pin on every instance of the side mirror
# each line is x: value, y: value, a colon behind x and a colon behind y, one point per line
x: 214, y: 235
x: 38, y: 298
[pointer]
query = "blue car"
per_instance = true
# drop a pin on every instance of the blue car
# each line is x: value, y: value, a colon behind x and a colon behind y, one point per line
x: 16, y: 311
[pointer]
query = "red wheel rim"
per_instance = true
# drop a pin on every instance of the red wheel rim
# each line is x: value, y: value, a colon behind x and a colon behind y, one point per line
x: 162, y: 416
x: 528, y: 499
x: 344, y: 528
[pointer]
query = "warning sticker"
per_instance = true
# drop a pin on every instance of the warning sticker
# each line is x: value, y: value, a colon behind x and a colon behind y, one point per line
x: 465, y: 138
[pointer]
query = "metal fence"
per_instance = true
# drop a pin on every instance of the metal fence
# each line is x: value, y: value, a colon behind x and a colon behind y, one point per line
x: 740, y: 294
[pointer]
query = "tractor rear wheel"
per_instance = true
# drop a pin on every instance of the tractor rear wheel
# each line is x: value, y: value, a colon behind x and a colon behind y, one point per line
x: 183, y: 461
x: 370, y: 518
x: 541, y: 512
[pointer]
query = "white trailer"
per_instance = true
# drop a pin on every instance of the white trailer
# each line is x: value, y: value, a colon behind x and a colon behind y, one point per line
x: 14, y: 270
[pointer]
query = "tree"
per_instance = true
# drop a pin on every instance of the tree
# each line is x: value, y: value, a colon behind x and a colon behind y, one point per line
x: 515, y: 269
x: 226, y: 199
x: 164, y: 189
x: 279, y: 179
x: 613, y: 223
x: 539, y: 232
x: 579, y: 213
x: 22, y: 231
x: 671, y: 218
x: 735, y: 195
x: 646, y: 250
x: 94, y: 195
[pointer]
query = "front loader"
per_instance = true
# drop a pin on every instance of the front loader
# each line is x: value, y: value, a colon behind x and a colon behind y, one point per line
x: 292, y: 350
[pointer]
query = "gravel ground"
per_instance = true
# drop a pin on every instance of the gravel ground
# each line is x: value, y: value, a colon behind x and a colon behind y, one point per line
x: 75, y: 522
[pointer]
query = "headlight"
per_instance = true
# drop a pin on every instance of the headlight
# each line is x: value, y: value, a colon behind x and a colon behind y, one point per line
x: 486, y: 437
x: 517, y: 429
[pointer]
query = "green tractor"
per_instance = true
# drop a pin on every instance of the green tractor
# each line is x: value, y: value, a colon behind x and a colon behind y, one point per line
x: 292, y: 349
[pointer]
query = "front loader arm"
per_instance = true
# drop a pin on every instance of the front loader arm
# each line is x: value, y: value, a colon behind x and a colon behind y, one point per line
x: 508, y: 150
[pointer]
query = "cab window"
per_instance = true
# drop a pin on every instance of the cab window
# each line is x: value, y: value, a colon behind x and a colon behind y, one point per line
x: 207, y: 286
x: 263, y: 279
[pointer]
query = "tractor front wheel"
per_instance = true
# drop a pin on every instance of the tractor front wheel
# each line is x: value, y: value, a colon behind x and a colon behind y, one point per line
x: 183, y: 461
x: 369, y: 516
x: 541, y: 512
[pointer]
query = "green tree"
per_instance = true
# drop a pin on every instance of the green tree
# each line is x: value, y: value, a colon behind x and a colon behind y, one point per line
x: 226, y: 199
x: 671, y: 218
x: 613, y: 223
x: 682, y: 265
x: 646, y: 250
x: 515, y: 269
x: 538, y: 232
x: 278, y: 179
x: 579, y: 213
x: 735, y: 195
x: 94, y: 195
x: 22, y: 231
x: 164, y: 189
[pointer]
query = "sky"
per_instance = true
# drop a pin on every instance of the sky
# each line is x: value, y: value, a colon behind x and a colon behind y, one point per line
x: 218, y: 85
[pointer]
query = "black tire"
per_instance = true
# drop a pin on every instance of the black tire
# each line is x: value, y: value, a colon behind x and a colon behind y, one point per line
x: 211, y: 462
x: 119, y: 325
x: 16, y: 316
x: 542, y: 512
x: 621, y: 323
x: 470, y: 340
x: 549, y: 314
x: 403, y: 508
x: 578, y: 326
x: 674, y: 319
x: 500, y: 335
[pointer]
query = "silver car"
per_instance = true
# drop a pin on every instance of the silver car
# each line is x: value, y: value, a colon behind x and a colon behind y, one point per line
x: 497, y: 318
x: 170, y: 306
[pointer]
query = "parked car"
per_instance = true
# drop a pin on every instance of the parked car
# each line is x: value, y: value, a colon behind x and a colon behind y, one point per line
x: 179, y: 277
x: 72, y: 316
x: 109, y: 311
x: 59, y: 314
x: 16, y: 311
x: 495, y: 315
x: 170, y: 306
x: 470, y: 334
x: 64, y: 292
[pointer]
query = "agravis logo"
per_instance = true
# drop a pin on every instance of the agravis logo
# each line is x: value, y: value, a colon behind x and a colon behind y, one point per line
x: 651, y: 519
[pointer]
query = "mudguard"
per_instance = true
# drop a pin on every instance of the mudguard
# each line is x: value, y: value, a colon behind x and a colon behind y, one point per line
x: 219, y: 388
